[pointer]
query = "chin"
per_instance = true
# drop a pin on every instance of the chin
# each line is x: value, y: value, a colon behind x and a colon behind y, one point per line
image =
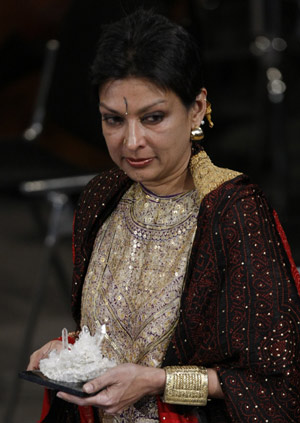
x: 137, y: 175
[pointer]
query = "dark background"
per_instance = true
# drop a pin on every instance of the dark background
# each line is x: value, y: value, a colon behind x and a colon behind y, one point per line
x: 251, y: 51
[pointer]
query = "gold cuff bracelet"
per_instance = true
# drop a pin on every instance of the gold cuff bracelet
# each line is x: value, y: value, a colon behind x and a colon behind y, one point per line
x: 187, y: 385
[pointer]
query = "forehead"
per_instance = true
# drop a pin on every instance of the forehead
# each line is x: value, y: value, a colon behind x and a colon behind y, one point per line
x: 132, y: 89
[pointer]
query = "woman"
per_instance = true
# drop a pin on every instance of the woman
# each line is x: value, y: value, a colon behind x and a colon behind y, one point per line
x: 186, y: 263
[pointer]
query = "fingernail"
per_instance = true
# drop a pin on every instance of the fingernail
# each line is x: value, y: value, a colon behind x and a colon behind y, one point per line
x: 88, y: 388
x: 59, y: 395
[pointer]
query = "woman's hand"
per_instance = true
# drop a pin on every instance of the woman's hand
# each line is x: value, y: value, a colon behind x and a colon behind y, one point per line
x: 43, y: 353
x: 120, y: 387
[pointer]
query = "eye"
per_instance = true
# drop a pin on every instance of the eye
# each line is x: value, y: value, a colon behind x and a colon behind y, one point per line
x: 153, y: 118
x: 112, y: 120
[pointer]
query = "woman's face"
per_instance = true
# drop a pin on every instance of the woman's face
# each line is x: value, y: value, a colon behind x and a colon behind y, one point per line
x: 147, y: 131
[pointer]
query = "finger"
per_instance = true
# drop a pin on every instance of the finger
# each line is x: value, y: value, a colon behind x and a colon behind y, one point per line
x: 72, y: 398
x: 43, y: 352
x: 84, y: 402
x: 33, y: 362
x: 101, y: 382
x: 32, y: 366
x: 36, y: 357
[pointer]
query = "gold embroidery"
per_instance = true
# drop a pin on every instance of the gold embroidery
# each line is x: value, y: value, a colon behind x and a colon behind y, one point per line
x: 207, y: 176
x: 135, y: 279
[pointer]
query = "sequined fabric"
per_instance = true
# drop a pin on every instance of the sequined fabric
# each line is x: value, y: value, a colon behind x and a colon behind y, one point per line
x: 135, y: 280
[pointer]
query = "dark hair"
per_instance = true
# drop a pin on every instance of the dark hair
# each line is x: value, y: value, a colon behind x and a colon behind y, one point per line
x: 148, y: 45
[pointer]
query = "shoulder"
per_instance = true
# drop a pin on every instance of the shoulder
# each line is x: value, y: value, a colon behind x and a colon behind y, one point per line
x: 206, y: 176
x: 100, y: 197
x: 105, y: 180
x: 222, y: 184
x: 103, y: 186
x: 214, y: 182
x: 239, y: 193
x: 220, y: 189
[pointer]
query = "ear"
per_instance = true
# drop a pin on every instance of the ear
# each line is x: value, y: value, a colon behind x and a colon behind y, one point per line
x: 198, y: 109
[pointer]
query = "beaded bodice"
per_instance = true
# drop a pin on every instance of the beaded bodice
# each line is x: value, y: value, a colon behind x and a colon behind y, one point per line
x: 136, y: 275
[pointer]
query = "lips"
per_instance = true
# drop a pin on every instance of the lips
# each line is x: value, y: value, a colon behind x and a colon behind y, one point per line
x: 138, y: 162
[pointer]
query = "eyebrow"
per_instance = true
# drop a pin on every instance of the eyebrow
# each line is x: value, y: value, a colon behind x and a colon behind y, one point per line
x: 142, y: 110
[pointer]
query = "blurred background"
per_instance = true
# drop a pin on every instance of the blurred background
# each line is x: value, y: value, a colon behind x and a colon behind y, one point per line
x: 51, y: 142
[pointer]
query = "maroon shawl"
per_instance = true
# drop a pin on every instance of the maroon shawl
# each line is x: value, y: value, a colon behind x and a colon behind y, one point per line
x: 240, y: 309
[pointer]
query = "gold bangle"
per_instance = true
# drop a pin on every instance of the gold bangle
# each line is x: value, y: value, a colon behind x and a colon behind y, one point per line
x: 187, y: 385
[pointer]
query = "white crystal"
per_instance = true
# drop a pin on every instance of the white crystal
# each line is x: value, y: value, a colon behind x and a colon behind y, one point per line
x: 79, y: 362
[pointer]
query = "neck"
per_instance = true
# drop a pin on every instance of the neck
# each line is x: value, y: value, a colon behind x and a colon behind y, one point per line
x: 182, y: 183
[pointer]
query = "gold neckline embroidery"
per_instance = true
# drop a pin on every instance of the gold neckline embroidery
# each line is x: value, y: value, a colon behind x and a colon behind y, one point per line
x: 206, y: 176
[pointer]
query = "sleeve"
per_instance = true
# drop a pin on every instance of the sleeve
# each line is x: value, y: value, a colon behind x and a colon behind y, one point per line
x: 260, y: 316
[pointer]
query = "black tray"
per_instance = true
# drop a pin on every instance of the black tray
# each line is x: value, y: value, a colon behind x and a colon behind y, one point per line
x: 72, y: 388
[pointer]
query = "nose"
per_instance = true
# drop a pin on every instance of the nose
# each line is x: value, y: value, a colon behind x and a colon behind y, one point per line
x: 134, y: 135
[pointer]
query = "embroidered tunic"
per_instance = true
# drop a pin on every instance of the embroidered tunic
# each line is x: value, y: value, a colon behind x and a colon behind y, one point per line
x: 135, y: 279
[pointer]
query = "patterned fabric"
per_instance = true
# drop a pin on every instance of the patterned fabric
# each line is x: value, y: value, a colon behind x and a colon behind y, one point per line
x: 135, y: 278
x: 240, y: 307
